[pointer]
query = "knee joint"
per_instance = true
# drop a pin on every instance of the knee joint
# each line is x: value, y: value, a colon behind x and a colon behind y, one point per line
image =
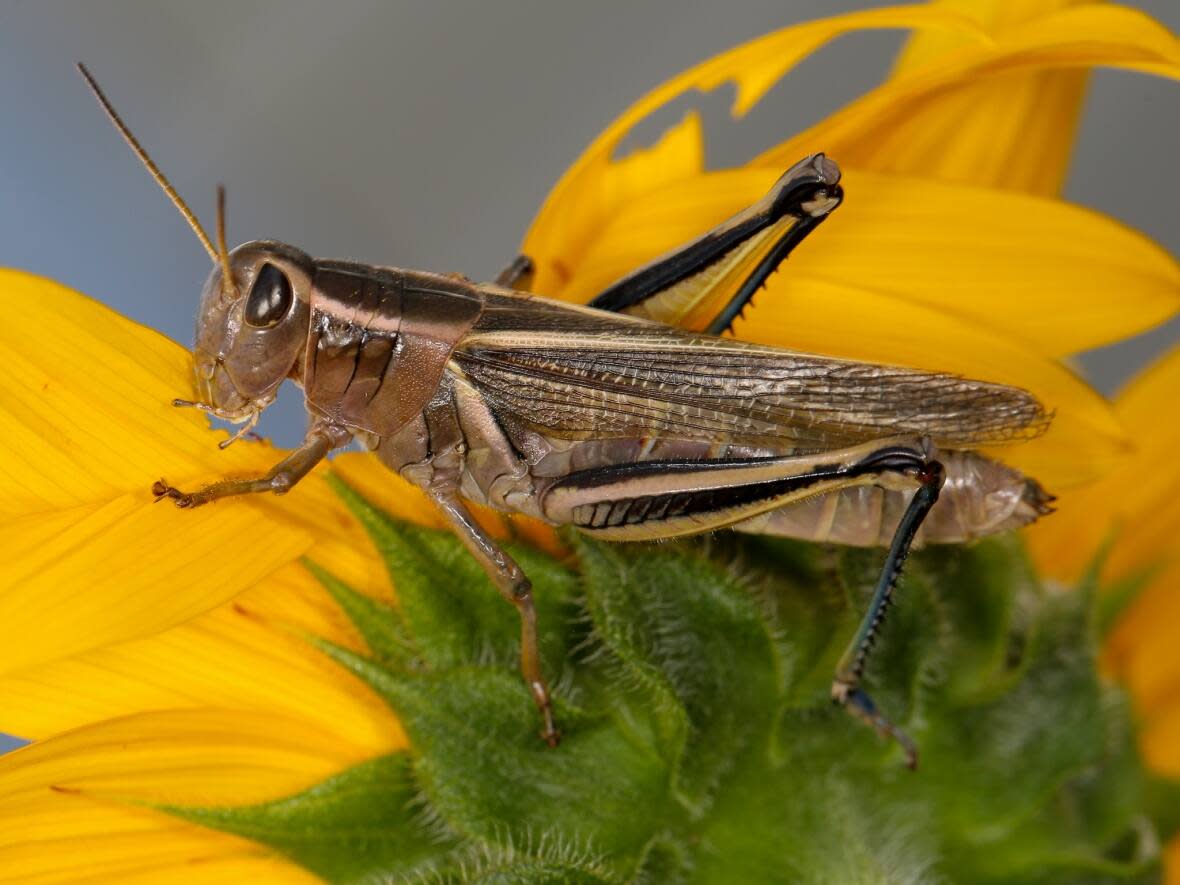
x: 281, y: 483
x: 522, y: 590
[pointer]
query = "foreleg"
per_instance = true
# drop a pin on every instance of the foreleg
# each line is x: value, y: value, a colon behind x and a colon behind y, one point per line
x: 280, y: 479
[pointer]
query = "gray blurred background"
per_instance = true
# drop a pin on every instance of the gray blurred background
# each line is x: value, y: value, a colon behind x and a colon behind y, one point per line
x: 419, y: 134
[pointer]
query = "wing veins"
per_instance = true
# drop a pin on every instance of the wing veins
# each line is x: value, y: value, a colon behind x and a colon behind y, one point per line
x: 795, y: 397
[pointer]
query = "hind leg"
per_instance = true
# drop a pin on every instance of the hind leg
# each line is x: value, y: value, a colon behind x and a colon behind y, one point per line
x: 710, y: 280
x: 846, y: 689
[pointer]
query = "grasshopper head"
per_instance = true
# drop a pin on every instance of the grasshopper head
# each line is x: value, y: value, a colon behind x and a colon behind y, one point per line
x: 255, y: 308
x: 252, y: 327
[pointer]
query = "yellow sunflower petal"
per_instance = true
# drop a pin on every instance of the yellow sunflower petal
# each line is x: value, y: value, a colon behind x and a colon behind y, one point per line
x: 1084, y: 439
x: 215, y: 871
x: 594, y: 187
x: 1160, y: 742
x: 1141, y: 651
x: 245, y: 655
x: 1140, y: 502
x: 67, y: 805
x: 126, y: 569
x: 218, y: 871
x: 992, y: 17
x: 897, y: 127
x: 1058, y: 277
x: 71, y: 840
x: 1012, y: 131
x: 1172, y: 862
x: 183, y: 757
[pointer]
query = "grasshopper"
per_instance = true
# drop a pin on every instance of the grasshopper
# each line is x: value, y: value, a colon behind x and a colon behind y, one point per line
x: 603, y: 417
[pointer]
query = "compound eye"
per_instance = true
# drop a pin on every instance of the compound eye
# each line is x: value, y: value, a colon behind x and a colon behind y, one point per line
x: 269, y: 299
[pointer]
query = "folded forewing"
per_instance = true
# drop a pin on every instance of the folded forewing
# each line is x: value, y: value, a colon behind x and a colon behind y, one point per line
x: 641, y: 379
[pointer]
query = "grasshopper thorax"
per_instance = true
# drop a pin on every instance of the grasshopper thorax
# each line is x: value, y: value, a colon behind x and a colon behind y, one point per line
x: 251, y: 329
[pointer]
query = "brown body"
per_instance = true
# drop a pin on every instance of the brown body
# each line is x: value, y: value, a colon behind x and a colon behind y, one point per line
x: 441, y: 377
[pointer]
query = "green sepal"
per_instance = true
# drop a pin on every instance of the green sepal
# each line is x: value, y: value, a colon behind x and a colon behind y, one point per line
x: 358, y: 826
x: 523, y: 788
x: 447, y: 603
x: 689, y: 636
x: 1163, y: 804
x: 369, y: 825
x: 381, y: 626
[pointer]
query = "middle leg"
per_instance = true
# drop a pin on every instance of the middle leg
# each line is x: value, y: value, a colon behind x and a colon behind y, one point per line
x: 512, y: 583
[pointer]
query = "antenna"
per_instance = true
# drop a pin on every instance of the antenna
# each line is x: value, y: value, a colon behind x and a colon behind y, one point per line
x: 227, y: 275
x: 163, y: 182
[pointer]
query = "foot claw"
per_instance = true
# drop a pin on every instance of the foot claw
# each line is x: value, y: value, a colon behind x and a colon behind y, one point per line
x: 552, y: 737
x: 161, y: 490
x: 860, y: 705
x: 549, y: 733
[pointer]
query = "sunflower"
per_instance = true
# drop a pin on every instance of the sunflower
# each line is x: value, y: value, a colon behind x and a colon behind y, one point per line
x: 211, y: 693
